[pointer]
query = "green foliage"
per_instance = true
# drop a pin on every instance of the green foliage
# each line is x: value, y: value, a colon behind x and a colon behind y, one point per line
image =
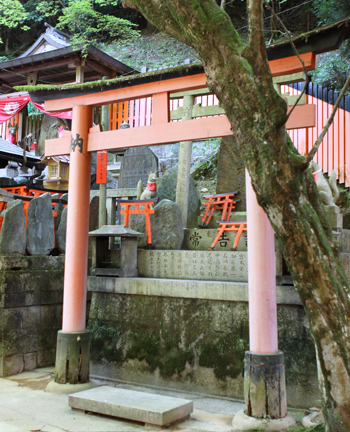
x: 333, y: 69
x: 328, y: 11
x: 12, y: 15
x: 33, y: 111
x: 87, y: 20
x: 334, y: 66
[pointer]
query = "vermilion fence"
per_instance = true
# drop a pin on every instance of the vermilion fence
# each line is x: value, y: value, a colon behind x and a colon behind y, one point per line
x: 334, y: 151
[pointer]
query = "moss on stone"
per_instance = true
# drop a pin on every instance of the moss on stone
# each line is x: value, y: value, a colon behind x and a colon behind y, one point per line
x: 175, y: 337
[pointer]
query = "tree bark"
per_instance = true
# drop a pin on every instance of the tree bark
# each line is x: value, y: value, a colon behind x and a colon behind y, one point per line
x: 240, y: 77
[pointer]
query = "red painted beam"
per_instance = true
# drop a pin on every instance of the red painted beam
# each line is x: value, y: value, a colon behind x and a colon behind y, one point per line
x: 166, y: 133
x: 303, y: 116
x: 291, y: 65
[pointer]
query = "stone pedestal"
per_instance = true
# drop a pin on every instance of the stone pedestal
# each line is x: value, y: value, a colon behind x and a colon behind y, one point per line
x: 72, y: 357
x: 335, y: 217
x: 265, y: 385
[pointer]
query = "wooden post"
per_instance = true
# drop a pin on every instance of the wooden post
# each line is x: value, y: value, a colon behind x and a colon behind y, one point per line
x: 79, y: 73
x: 184, y: 167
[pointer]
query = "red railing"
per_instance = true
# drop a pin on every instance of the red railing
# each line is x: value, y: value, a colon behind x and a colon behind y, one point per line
x: 334, y: 152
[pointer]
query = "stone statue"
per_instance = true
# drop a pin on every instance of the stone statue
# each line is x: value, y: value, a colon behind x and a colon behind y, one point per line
x: 328, y: 190
x: 151, y: 189
x: 12, y: 129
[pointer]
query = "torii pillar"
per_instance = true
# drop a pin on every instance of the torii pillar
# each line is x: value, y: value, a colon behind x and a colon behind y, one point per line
x: 264, y: 375
x: 73, y: 341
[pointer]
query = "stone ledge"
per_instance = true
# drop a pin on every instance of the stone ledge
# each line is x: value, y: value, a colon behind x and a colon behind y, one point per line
x: 34, y: 262
x: 115, y: 193
x: 208, y: 290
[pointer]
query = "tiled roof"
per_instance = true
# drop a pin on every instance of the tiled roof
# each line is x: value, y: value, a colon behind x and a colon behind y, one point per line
x: 15, y: 150
x: 64, y: 159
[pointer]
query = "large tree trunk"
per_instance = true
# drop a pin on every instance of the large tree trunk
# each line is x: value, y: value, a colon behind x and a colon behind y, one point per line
x: 240, y: 77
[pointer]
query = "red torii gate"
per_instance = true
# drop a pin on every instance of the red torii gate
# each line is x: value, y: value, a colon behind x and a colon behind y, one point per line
x: 85, y: 139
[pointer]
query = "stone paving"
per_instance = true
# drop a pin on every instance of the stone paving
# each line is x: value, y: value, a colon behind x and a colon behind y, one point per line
x: 25, y: 406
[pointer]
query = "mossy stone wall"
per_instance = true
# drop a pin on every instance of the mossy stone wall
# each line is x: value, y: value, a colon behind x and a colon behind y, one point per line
x: 31, y: 290
x: 193, y: 344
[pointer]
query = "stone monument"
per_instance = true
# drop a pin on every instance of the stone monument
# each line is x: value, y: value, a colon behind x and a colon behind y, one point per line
x: 231, y: 172
x: 136, y: 164
x: 167, y: 190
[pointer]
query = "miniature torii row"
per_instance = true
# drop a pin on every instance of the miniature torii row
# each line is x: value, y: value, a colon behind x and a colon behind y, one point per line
x: 84, y: 139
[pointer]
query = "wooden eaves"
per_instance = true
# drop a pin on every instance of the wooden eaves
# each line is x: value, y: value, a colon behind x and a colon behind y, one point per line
x: 59, y: 66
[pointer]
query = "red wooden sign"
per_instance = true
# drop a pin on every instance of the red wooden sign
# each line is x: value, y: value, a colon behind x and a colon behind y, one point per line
x: 101, y: 168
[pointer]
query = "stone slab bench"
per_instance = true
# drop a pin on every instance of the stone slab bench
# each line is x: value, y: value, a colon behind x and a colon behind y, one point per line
x: 147, y: 408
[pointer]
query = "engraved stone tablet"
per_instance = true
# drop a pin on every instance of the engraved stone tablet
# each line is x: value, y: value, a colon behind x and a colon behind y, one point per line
x: 231, y: 172
x: 137, y: 162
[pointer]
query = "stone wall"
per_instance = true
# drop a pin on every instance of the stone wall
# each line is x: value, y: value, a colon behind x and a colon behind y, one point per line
x: 192, y: 336
x: 30, y: 311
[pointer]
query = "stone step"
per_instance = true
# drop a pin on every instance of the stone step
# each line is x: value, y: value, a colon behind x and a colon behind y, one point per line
x: 147, y: 408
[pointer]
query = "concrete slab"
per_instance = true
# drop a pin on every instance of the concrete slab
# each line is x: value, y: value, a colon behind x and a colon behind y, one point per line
x: 5, y: 427
x: 7, y: 384
x: 132, y: 405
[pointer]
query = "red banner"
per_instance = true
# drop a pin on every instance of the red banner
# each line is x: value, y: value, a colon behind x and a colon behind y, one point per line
x: 101, y: 168
x: 60, y: 114
x: 10, y: 106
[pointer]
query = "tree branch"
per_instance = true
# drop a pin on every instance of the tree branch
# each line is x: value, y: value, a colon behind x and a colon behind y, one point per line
x: 256, y: 41
x: 223, y: 4
x: 317, y: 144
x: 296, y: 52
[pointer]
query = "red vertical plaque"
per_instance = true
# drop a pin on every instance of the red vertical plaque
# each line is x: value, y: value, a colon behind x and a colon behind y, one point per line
x: 101, y: 169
